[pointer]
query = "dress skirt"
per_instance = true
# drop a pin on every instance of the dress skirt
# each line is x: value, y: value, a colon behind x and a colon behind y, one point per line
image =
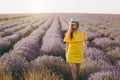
x: 75, y: 53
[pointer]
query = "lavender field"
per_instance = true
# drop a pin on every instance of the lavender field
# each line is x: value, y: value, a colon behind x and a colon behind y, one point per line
x: 32, y: 46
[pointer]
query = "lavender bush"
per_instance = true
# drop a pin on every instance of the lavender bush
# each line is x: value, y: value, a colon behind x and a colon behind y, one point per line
x: 117, y: 39
x: 101, y: 32
x: 64, y: 25
x: 52, y: 41
x: 115, y: 33
x: 30, y: 50
x: 22, y: 53
x: 104, y: 43
x: 48, y: 68
x: 92, y: 35
x: 91, y: 66
x: 8, y: 24
x: 118, y: 64
x: 12, y: 67
x: 5, y: 72
x: 114, y: 54
x: 112, y: 74
x: 92, y: 29
x: 12, y: 26
x: 96, y: 54
x: 110, y: 31
x: 6, y: 43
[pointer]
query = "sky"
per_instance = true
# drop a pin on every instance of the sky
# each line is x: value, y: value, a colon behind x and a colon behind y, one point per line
x: 60, y: 6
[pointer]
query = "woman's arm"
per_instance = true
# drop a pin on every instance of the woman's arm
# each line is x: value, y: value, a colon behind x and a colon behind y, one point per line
x: 85, y: 43
x: 85, y: 38
x: 67, y: 47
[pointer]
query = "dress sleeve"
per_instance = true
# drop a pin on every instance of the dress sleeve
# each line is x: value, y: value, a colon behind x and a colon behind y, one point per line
x: 67, y: 38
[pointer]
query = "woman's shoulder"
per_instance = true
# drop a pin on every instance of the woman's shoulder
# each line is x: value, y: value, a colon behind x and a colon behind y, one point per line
x: 80, y: 31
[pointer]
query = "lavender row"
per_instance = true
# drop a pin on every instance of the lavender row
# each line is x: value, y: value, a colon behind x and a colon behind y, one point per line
x: 42, y: 67
x: 12, y: 23
x: 12, y: 30
x: 10, y: 16
x: 97, y: 60
x: 29, y: 47
x: 6, y: 43
x: 23, y: 51
x: 110, y: 74
x: 64, y: 25
x: 52, y: 42
x: 20, y: 26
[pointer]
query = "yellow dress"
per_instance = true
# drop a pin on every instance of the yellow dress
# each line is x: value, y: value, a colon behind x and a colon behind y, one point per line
x: 75, y: 53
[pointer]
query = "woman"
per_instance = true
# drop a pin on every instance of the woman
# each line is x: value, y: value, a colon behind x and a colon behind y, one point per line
x: 75, y: 40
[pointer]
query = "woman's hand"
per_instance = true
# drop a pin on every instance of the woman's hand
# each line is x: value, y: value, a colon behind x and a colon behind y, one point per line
x: 85, y: 44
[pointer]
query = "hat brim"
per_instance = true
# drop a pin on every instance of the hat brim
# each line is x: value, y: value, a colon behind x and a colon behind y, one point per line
x: 73, y: 23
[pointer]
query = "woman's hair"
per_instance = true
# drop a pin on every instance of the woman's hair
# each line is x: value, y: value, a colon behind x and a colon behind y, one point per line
x: 71, y: 29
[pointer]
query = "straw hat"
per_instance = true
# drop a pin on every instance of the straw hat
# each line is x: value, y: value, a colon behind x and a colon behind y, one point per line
x: 72, y: 21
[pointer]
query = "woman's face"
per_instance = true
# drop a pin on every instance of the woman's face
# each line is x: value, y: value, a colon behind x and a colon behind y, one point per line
x: 74, y: 26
